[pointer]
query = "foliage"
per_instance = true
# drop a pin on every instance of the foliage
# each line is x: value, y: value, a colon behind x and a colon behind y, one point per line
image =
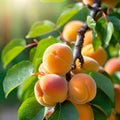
x: 23, y: 74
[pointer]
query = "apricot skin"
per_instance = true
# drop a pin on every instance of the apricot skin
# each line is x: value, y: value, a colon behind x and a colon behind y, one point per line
x: 85, y: 111
x: 99, y: 55
x: 112, y: 65
x: 82, y: 88
x: 89, y: 65
x: 117, y: 97
x: 112, y: 116
x: 109, y: 3
x: 70, y: 32
x: 58, y: 59
x: 51, y: 89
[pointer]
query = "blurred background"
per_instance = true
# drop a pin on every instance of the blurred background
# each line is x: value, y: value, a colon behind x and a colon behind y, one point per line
x: 16, y: 18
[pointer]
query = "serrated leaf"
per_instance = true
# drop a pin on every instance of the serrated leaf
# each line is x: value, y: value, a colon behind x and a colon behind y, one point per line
x: 104, y: 84
x: 13, y: 48
x: 40, y: 28
x: 52, y: 0
x: 16, y: 75
x: 64, y: 111
x: 68, y: 13
x: 42, y: 45
x: 31, y: 110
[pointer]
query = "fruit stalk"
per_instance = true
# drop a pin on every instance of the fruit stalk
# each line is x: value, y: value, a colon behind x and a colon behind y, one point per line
x: 94, y: 9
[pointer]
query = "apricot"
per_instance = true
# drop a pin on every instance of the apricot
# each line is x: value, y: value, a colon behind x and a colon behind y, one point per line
x: 109, y: 3
x: 88, y: 38
x: 51, y: 89
x: 89, y: 65
x: 42, y: 71
x: 58, y: 59
x: 85, y: 111
x: 99, y: 55
x: 117, y: 97
x: 71, y: 29
x: 112, y: 116
x: 112, y: 65
x: 82, y: 88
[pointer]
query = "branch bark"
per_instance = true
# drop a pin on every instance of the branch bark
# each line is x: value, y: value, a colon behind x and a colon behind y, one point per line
x: 94, y: 9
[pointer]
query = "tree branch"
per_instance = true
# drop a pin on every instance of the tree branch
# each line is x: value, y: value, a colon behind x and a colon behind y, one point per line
x: 94, y: 9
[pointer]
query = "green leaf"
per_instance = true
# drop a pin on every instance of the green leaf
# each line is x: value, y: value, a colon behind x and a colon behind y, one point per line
x: 52, y: 0
x: 27, y: 88
x: 91, y: 23
x: 109, y: 33
x: 103, y: 101
x: 31, y: 110
x: 64, y: 111
x: 68, y: 13
x: 98, y: 113
x: 116, y: 24
x: 104, y: 84
x: 13, y: 48
x: 17, y: 75
x: 42, y: 45
x: 96, y: 41
x: 40, y: 28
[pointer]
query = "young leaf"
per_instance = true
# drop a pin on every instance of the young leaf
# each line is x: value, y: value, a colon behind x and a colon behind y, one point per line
x: 31, y: 110
x: 42, y: 45
x: 52, y: 0
x: 12, y: 49
x: 64, y: 111
x: 109, y: 33
x: 17, y: 75
x: 68, y: 13
x: 96, y: 41
x: 40, y: 28
x: 91, y: 23
x: 104, y: 84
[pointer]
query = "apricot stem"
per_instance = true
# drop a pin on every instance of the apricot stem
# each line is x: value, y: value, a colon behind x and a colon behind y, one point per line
x: 94, y: 9
x: 35, y: 42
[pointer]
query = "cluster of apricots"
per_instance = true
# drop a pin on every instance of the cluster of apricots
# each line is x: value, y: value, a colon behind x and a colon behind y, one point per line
x: 94, y: 60
x: 52, y: 86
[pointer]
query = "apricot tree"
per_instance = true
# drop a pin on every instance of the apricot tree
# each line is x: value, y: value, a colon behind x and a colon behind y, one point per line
x: 67, y: 76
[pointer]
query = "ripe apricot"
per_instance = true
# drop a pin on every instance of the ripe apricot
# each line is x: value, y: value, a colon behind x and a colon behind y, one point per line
x: 109, y: 3
x: 99, y: 55
x: 117, y: 97
x: 82, y: 88
x: 58, y: 59
x: 89, y: 65
x: 112, y: 65
x: 112, y: 116
x: 88, y: 38
x: 51, y: 89
x: 71, y: 29
x: 85, y: 111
